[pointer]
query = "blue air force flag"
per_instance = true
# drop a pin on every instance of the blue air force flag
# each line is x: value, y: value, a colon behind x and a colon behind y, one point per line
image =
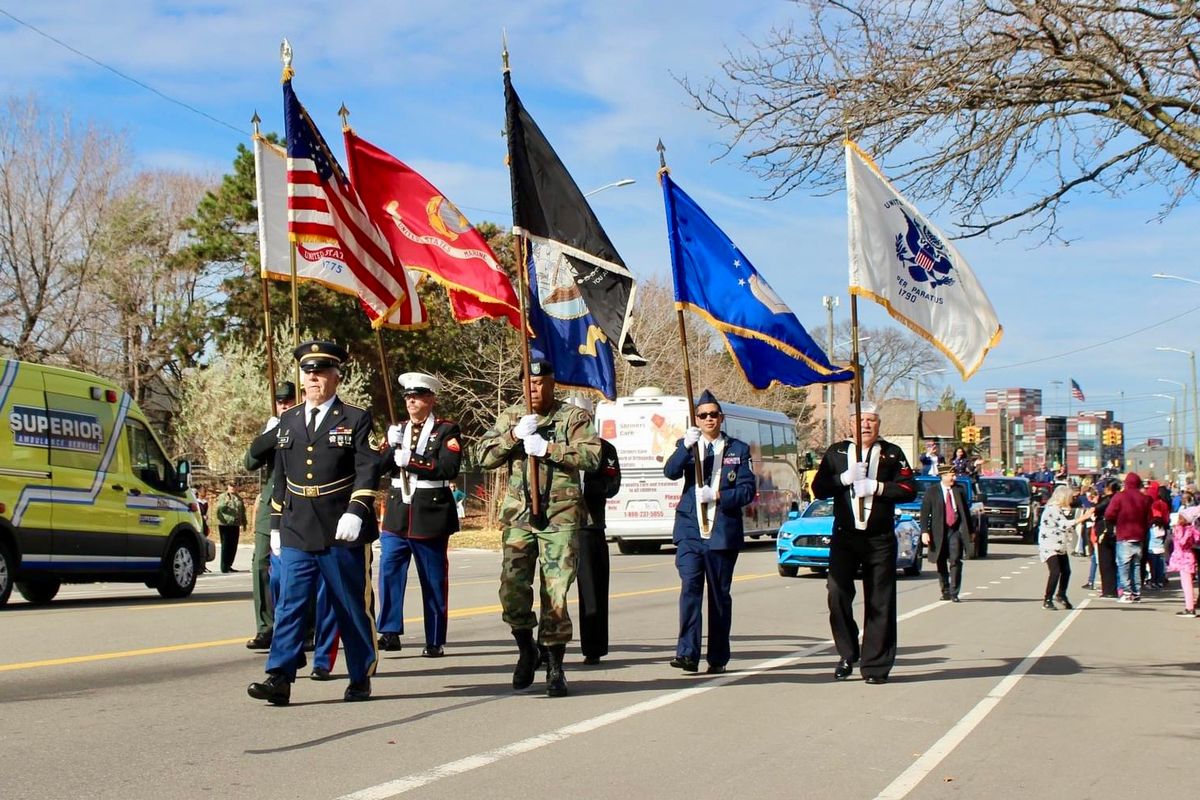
x: 715, y: 280
x: 901, y: 261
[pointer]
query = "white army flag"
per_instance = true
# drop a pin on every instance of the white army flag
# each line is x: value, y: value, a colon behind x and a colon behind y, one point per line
x: 903, y: 262
x: 315, y: 261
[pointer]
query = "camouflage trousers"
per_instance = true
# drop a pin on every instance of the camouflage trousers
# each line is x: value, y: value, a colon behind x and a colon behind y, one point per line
x: 554, y: 553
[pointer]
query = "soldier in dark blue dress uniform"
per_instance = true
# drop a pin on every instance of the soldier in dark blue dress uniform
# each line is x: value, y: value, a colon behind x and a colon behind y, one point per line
x: 322, y: 524
x: 708, y: 555
x: 423, y: 456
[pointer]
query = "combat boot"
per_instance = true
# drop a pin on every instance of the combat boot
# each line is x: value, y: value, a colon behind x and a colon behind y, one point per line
x: 527, y: 659
x: 556, y: 681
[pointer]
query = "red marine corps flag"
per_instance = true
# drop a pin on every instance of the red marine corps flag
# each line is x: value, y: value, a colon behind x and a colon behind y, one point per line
x: 428, y: 234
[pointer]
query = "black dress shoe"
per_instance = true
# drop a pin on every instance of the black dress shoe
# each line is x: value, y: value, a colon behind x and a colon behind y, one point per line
x: 357, y: 692
x: 320, y: 674
x: 433, y: 651
x: 276, y: 690
x: 945, y: 595
x: 843, y: 670
x: 875, y: 680
x: 389, y: 642
x: 591, y: 661
x: 954, y: 599
x: 713, y: 669
x: 261, y: 641
x: 1065, y: 603
x: 686, y: 664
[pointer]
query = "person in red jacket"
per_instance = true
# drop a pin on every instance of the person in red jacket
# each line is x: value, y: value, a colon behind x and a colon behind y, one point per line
x: 1129, y: 512
x: 1160, y: 521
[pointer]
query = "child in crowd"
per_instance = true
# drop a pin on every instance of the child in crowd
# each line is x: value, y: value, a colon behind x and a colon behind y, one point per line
x: 1183, y: 560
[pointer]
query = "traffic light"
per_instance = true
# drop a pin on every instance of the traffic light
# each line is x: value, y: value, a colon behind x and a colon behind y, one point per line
x: 970, y: 434
x: 1106, y: 437
x: 1116, y: 436
x: 1111, y: 436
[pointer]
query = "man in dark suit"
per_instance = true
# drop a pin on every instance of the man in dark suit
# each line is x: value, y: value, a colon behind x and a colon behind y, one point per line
x: 592, y: 574
x: 322, y: 524
x: 423, y: 456
x: 875, y: 472
x: 946, y: 522
x: 707, y: 550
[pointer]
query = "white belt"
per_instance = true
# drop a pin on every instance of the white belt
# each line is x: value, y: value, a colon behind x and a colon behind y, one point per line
x: 398, y: 483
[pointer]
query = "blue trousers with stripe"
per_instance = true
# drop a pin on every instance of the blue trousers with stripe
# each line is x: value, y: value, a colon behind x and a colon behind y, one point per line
x: 325, y: 630
x: 433, y: 570
x: 344, y: 571
x: 699, y: 566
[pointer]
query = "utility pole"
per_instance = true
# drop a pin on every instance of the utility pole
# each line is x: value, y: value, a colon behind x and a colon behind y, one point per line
x: 830, y: 302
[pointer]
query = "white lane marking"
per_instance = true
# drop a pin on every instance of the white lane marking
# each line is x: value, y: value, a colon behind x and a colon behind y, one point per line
x: 908, y: 780
x: 993, y: 581
x: 1006, y: 577
x: 472, y: 762
x: 982, y: 587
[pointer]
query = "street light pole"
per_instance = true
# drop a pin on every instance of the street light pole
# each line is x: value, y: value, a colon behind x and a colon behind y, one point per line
x: 830, y: 302
x: 1172, y: 430
x: 1191, y: 354
x: 1183, y: 422
x: 613, y: 185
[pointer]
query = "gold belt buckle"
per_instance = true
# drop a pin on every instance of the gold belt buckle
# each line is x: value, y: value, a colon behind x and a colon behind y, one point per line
x: 312, y: 491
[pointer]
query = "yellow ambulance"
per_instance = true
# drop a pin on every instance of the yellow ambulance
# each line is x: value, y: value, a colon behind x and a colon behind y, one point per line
x: 86, y: 493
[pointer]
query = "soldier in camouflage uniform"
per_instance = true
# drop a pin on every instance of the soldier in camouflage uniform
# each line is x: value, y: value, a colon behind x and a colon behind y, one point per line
x: 561, y: 437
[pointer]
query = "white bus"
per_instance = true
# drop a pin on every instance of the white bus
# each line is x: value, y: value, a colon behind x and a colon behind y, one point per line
x: 645, y: 427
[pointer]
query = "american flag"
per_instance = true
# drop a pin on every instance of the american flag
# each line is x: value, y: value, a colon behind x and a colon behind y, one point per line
x: 1076, y: 392
x: 324, y: 207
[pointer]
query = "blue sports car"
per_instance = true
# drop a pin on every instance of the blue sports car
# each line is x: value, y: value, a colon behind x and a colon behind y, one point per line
x: 804, y: 541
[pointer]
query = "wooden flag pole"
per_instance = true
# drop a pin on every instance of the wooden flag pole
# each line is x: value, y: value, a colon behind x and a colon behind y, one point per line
x: 268, y: 332
x: 702, y: 512
x: 387, y: 377
x: 523, y: 286
x: 857, y: 390
x: 519, y: 251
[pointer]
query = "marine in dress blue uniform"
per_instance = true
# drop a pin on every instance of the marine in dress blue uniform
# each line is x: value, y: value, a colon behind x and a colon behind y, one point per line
x: 709, y: 557
x: 323, y: 522
x: 422, y: 458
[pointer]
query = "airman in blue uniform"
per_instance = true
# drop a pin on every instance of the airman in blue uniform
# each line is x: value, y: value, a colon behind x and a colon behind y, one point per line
x: 709, y: 552
x: 322, y: 523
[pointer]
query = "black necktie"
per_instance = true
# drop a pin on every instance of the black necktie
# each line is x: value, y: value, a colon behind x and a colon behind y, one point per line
x: 708, y: 461
x: 312, y: 422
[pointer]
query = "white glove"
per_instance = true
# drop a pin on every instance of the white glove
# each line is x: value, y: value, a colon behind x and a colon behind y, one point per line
x: 535, y: 446
x: 276, y: 545
x: 348, y: 527
x: 705, y: 494
x: 691, y: 436
x: 526, y: 426
x: 855, y: 472
x: 403, y: 456
x: 272, y: 424
x: 395, y: 434
x: 865, y: 487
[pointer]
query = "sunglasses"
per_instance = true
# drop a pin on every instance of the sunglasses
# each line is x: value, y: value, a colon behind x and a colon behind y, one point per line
x: 708, y: 414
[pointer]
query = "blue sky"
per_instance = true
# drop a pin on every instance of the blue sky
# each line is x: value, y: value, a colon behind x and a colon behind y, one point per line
x: 423, y: 81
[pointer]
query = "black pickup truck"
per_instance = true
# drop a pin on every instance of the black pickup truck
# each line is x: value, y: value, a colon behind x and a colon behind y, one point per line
x: 1011, y: 507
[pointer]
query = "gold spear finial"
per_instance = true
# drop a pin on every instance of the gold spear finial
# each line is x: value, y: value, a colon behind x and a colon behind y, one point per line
x: 662, y: 159
x: 504, y: 49
x: 344, y: 113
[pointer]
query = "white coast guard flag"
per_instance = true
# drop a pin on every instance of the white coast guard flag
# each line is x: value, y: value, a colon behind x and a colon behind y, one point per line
x: 904, y: 263
x: 317, y: 262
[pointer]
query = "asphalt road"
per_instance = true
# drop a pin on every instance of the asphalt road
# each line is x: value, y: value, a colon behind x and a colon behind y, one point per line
x: 111, y: 692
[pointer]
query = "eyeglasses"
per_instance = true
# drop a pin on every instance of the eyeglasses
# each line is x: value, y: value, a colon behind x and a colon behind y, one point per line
x: 708, y: 414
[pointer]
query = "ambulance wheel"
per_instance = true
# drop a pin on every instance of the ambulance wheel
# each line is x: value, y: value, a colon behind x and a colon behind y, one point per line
x: 178, y: 576
x: 39, y: 592
x: 8, y: 566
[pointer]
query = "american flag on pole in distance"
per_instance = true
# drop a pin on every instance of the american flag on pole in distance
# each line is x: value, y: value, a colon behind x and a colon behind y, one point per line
x: 1076, y: 392
x: 324, y: 207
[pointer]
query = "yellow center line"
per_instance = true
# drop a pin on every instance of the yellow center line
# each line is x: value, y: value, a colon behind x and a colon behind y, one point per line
x: 458, y: 613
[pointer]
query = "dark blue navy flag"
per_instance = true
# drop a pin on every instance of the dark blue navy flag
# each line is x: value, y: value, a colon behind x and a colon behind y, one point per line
x: 715, y: 280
